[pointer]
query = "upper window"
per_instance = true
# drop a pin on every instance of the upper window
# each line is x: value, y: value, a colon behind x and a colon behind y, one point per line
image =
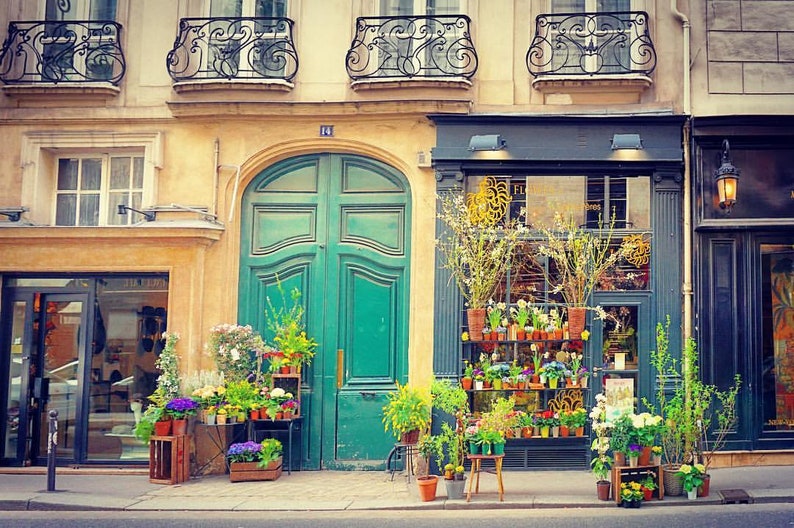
x: 90, y: 189
x: 419, y: 7
x: 80, y: 178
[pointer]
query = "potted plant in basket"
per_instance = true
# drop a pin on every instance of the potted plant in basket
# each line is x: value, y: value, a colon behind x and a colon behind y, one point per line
x: 477, y: 246
x: 407, y: 413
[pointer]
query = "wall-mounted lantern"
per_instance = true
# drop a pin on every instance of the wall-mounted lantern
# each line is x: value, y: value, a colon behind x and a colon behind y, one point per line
x: 727, y: 178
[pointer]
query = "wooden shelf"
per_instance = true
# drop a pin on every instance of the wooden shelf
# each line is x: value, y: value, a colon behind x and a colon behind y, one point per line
x: 635, y: 474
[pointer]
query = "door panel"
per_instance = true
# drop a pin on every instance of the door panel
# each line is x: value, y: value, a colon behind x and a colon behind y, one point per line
x: 334, y: 226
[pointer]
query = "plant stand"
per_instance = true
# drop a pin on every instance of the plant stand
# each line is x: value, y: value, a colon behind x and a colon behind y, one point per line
x: 476, y: 465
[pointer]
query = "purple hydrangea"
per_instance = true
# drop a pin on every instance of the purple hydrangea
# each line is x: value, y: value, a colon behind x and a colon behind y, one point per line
x: 244, y: 452
x: 181, y: 407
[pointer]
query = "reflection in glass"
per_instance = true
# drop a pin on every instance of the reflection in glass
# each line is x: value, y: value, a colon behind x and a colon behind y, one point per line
x: 777, y: 369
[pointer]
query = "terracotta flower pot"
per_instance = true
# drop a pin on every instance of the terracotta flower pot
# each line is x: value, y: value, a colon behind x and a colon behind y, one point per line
x: 576, y: 321
x: 603, y: 488
x: 466, y: 383
x: 476, y: 320
x: 427, y: 487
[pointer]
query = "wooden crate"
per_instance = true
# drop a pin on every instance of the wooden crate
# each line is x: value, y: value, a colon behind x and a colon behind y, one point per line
x: 634, y: 474
x: 169, y: 459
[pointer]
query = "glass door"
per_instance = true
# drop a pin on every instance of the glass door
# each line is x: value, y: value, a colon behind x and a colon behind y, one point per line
x: 45, y: 344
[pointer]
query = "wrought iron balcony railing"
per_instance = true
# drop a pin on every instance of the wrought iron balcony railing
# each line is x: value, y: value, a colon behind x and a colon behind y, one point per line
x: 591, y: 44
x: 233, y: 48
x: 62, y: 51
x: 411, y: 47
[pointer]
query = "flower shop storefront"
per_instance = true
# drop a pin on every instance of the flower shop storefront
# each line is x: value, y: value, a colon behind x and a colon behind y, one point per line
x: 557, y: 179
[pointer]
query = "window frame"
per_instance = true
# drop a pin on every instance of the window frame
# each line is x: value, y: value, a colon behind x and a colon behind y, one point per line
x: 108, y: 196
x: 39, y: 169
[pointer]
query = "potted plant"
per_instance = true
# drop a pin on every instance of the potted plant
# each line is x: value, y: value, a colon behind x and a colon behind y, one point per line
x: 179, y: 409
x: 602, y: 462
x: 691, y: 478
x: 406, y: 413
x: 634, y: 454
x: 468, y: 376
x: 631, y: 494
x: 477, y: 248
x: 521, y: 315
x: 554, y: 372
x: 582, y: 257
x: 620, y: 436
x: 649, y: 485
x: 289, y: 332
x: 235, y: 349
x: 427, y: 447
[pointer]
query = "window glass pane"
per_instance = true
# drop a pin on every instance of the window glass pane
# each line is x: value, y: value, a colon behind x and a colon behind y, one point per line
x: 120, y: 173
x: 131, y: 316
x: 67, y: 174
x: 103, y: 10
x: 66, y: 209
x: 567, y: 6
x: 137, y: 172
x: 226, y: 8
x: 271, y: 8
x: 396, y: 7
x: 777, y: 362
x: 113, y: 216
x: 91, y: 175
x: 89, y: 209
x: 443, y: 7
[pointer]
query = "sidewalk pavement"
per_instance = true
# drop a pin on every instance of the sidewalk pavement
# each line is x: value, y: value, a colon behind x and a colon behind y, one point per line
x: 127, y: 489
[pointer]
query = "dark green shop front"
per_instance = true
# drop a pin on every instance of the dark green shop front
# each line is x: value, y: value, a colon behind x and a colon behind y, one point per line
x: 567, y: 164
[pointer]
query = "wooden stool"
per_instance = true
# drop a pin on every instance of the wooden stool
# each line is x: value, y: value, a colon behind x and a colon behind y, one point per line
x: 476, y: 461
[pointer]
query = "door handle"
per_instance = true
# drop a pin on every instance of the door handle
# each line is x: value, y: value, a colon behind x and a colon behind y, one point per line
x: 368, y: 395
x: 340, y: 365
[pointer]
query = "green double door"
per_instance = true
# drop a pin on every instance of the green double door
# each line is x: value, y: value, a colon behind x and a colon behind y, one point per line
x: 337, y: 228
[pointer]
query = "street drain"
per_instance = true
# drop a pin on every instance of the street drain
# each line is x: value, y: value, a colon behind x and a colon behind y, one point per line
x: 735, y: 496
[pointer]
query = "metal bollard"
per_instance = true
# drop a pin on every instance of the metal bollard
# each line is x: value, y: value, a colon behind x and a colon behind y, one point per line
x: 52, y: 449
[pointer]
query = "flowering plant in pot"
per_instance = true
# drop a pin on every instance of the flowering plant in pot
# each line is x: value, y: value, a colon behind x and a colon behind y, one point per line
x: 602, y: 462
x: 182, y: 407
x: 407, y: 410
x: 631, y: 494
x: 691, y: 476
x: 235, y: 349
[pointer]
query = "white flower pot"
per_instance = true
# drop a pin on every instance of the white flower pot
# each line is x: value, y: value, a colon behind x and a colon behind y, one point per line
x: 692, y: 494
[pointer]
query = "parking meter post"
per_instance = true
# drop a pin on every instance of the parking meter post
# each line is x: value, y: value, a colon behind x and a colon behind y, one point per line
x: 52, y: 448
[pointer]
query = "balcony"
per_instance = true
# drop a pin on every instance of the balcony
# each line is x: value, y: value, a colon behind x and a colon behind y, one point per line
x: 62, y: 52
x: 428, y: 48
x: 254, y: 50
x: 597, y: 52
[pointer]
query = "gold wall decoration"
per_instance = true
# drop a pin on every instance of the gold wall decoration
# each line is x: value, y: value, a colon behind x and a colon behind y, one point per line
x: 489, y: 205
x: 567, y: 400
x: 641, y: 254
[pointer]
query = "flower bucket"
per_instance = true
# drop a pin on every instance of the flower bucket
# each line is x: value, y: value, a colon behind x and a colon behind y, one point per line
x: 410, y: 437
x: 474, y: 448
x: 645, y: 456
x: 703, y: 489
x: 576, y: 321
x: 553, y: 383
x: 692, y: 494
x: 498, y: 448
x: 476, y: 320
x: 455, y: 488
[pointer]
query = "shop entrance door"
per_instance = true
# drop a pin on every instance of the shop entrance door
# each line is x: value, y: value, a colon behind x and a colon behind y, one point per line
x: 46, y: 369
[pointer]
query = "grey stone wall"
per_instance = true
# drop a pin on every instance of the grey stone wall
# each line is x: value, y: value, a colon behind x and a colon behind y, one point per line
x: 750, y: 46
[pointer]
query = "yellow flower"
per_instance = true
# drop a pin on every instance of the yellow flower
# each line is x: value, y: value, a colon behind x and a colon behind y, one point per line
x: 585, y: 335
x: 464, y: 336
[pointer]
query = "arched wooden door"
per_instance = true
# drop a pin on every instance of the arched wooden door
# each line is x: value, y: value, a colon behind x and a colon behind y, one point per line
x: 337, y: 227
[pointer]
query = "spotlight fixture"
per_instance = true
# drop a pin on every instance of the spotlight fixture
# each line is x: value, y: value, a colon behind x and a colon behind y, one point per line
x: 149, y: 215
x: 626, y: 142
x: 487, y: 142
x: 727, y: 178
x: 14, y: 214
